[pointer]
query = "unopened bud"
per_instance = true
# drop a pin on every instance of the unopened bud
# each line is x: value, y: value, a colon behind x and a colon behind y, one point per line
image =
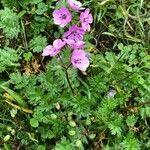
x: 72, y: 123
x: 72, y: 132
x: 53, y: 116
x: 78, y: 143
x: 6, y: 138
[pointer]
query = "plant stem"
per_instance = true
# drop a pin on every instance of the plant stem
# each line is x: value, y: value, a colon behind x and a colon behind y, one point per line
x: 69, y: 83
x: 18, y: 107
x: 24, y: 35
x: 66, y: 73
x: 68, y: 66
x: 128, y: 108
x: 138, y: 105
x: 63, y: 64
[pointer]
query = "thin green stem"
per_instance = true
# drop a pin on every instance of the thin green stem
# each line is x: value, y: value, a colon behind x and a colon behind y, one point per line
x: 68, y: 66
x: 66, y: 73
x: 62, y: 62
x: 24, y: 35
x: 69, y: 83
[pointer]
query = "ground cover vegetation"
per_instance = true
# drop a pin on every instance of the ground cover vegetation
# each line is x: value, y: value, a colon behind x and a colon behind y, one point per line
x: 74, y: 75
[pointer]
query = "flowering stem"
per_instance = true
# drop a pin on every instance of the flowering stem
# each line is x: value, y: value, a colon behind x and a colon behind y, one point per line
x: 24, y: 35
x: 68, y: 66
x: 66, y: 73
x: 64, y: 66
x: 69, y: 83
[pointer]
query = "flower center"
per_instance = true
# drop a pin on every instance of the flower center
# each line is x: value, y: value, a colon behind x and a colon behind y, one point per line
x: 77, y: 61
x: 85, y: 20
x: 75, y: 33
x: 63, y: 16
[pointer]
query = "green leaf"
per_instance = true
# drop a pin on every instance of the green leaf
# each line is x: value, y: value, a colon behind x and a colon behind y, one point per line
x: 41, y: 147
x: 8, y: 59
x: 15, y: 95
x: 9, y: 22
x: 64, y: 144
x: 41, y: 8
x: 130, y: 142
x: 38, y: 43
x: 131, y: 120
x: 27, y: 56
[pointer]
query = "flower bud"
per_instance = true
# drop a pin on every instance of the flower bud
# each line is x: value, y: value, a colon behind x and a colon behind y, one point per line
x: 78, y: 143
x: 92, y: 136
x: 9, y: 128
x: 72, y: 123
x: 57, y: 106
x: 88, y: 122
x: 69, y: 118
x: 6, y: 138
x: 13, y: 132
x: 72, y: 132
x: 70, y: 114
x: 53, y: 116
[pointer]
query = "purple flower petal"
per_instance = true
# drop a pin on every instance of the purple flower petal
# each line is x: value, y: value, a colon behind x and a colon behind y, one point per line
x: 53, y: 50
x: 75, y: 5
x: 79, y: 60
x: 75, y: 45
x: 50, y: 51
x: 74, y: 33
x: 86, y: 19
x: 58, y: 44
x: 47, y: 50
x: 62, y: 16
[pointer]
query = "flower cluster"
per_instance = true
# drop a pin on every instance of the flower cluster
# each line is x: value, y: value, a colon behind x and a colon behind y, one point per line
x: 74, y: 36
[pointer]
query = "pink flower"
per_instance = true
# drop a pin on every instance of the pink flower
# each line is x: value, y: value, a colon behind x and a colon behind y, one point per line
x: 74, y: 37
x: 86, y: 19
x: 62, y: 16
x: 79, y: 60
x: 75, y: 5
x: 75, y: 45
x: 53, y: 50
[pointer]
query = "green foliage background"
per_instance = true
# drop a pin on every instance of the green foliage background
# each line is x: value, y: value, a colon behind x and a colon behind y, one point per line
x: 111, y: 107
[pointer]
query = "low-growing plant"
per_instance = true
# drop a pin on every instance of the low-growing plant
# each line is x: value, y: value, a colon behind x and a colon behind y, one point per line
x: 74, y: 75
